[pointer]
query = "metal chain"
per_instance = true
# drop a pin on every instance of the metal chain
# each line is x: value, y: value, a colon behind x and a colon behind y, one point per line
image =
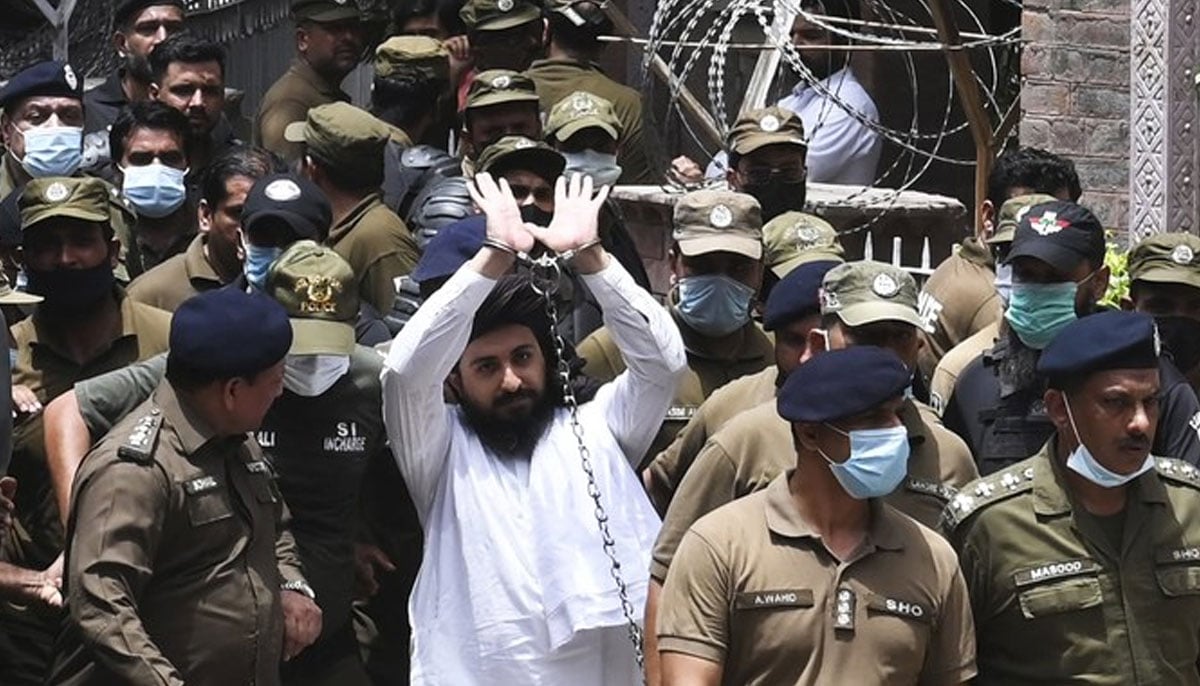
x: 546, y: 271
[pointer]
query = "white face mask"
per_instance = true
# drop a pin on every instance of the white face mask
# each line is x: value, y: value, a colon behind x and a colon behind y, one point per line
x: 312, y: 375
x: 1082, y: 462
x: 602, y: 167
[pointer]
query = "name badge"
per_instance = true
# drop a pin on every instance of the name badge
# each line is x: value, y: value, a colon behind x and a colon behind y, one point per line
x: 200, y: 485
x: 899, y: 608
x: 1184, y: 554
x: 680, y: 413
x: 756, y: 600
x: 257, y: 467
x: 926, y: 487
x: 1054, y: 570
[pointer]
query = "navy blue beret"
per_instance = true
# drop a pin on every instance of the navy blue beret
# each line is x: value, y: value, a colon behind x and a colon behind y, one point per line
x: 227, y: 332
x: 842, y: 383
x: 450, y: 248
x: 1099, y: 342
x: 292, y: 199
x: 796, y: 295
x: 44, y: 78
x: 127, y: 8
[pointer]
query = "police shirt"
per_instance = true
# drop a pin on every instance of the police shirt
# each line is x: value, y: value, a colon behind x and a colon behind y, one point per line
x: 755, y: 589
x: 177, y: 279
x: 1056, y: 599
x: 755, y: 447
x: 288, y: 100
x: 958, y: 300
x: 378, y: 246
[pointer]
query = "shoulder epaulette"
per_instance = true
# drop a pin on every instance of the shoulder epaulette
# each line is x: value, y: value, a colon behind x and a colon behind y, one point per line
x: 986, y: 491
x: 1177, y: 471
x: 139, y: 446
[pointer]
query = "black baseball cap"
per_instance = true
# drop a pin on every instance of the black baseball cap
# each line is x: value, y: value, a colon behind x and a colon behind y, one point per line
x: 294, y: 200
x: 1062, y: 234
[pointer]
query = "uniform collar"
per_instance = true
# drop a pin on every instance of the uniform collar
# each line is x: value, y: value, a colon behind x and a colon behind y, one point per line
x: 565, y: 62
x: 784, y: 519
x: 44, y: 336
x: 355, y: 215
x: 196, y: 264
x: 910, y: 417
x: 193, y: 431
x: 975, y: 252
x: 111, y: 92
x: 1050, y: 494
x: 310, y: 76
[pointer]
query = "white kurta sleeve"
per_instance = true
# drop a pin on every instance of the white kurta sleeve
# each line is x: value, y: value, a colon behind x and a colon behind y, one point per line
x: 637, y: 400
x: 422, y: 355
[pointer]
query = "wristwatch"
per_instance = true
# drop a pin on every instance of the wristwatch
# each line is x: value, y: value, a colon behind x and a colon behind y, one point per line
x: 300, y: 586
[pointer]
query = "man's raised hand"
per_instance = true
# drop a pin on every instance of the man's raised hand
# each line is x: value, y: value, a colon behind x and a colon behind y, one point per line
x: 576, y: 221
x: 504, y: 223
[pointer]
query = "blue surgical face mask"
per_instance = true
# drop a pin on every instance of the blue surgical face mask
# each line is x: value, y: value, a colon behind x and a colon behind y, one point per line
x: 52, y: 150
x: 1004, y: 282
x: 1082, y: 462
x: 1038, y: 311
x: 714, y: 304
x: 258, y: 262
x: 155, y: 189
x: 602, y: 167
x: 877, y: 464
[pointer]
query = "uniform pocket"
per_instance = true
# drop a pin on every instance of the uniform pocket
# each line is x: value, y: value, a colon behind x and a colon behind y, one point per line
x: 208, y: 506
x: 1068, y: 595
x: 1178, y: 580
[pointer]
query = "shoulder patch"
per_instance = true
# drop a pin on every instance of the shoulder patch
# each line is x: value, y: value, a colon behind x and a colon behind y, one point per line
x: 938, y: 490
x: 1177, y: 471
x: 983, y: 492
x: 139, y: 446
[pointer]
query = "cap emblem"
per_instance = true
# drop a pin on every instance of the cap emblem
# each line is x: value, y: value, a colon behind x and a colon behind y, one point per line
x: 769, y: 123
x: 523, y: 143
x: 1182, y: 254
x: 1049, y: 224
x: 885, y: 286
x: 829, y: 300
x: 57, y: 192
x: 720, y: 216
x: 807, y: 235
x: 505, y: 5
x: 583, y: 104
x: 69, y: 76
x: 282, y: 190
x: 318, y: 292
x: 502, y: 82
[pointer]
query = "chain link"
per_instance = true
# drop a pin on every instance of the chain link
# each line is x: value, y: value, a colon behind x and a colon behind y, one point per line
x: 545, y: 272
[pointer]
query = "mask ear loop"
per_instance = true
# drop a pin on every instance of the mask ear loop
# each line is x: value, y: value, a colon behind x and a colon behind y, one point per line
x: 1071, y: 418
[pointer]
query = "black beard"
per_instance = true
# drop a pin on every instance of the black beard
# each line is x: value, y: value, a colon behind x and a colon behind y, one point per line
x: 139, y: 68
x: 510, y: 437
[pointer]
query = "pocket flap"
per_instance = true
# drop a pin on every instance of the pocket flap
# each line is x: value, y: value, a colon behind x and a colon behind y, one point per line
x: 1178, y: 580
x: 1067, y: 595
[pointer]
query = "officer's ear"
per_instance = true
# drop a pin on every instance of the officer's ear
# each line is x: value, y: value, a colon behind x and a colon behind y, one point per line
x: 6, y: 129
x: 204, y: 216
x: 1056, y: 409
x: 806, y: 436
x: 153, y: 90
x: 987, y: 220
x: 120, y: 44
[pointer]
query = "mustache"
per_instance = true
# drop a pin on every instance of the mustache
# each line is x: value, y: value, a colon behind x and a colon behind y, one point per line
x: 510, y: 398
x: 1135, y: 443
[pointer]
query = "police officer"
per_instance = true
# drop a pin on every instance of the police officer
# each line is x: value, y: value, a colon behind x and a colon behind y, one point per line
x: 814, y: 575
x: 740, y: 458
x: 181, y: 568
x: 1164, y: 274
x: 1081, y: 561
x: 572, y: 65
x: 411, y: 78
x: 329, y: 43
x: 503, y: 34
x: 41, y: 124
x: 499, y: 103
x: 343, y: 156
x: 952, y: 363
x: 716, y: 264
x: 795, y: 238
x: 1057, y: 256
x: 85, y: 326
x: 959, y: 298
x: 140, y: 25
x: 767, y: 150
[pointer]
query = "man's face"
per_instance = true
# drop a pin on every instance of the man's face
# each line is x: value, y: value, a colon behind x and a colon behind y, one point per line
x: 427, y: 25
x: 144, y: 146
x: 36, y: 111
x: 486, y: 125
x: 271, y: 232
x: 332, y: 49
x: 1167, y: 300
x: 248, y: 401
x: 591, y: 138
x: 776, y: 162
x: 222, y: 224
x: 899, y: 337
x: 835, y: 445
x: 735, y: 266
x: 1115, y: 412
x: 65, y: 243
x: 514, y: 48
x: 503, y: 373
x: 791, y: 344
x: 809, y: 39
x: 1091, y: 283
x: 530, y: 189
x: 150, y: 27
x: 196, y: 89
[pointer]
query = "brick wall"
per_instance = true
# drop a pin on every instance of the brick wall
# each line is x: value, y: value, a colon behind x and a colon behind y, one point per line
x: 1075, y: 96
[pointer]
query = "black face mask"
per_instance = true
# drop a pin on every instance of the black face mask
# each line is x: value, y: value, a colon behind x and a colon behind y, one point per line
x: 533, y: 214
x: 71, y: 290
x: 1181, y: 338
x: 777, y: 196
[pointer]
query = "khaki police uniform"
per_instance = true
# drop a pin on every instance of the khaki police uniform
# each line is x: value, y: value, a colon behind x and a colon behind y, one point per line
x: 179, y: 278
x: 752, y: 449
x: 178, y: 550
x: 1057, y: 599
x: 288, y: 100
x: 376, y: 243
x: 755, y: 589
x: 952, y: 364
